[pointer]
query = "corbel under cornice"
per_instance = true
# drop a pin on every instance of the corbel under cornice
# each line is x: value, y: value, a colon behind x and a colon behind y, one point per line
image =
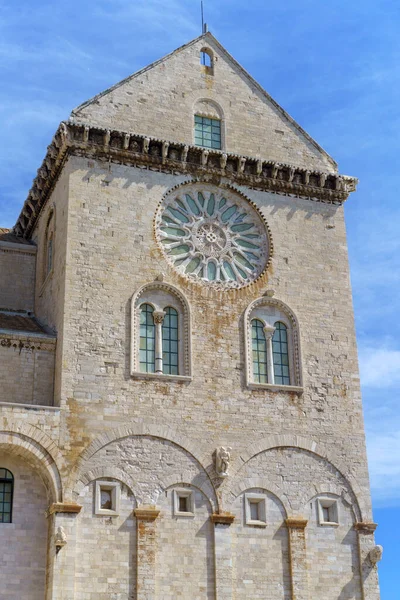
x: 175, y: 157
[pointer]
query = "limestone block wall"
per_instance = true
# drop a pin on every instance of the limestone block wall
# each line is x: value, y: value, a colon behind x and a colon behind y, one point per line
x: 17, y: 281
x: 185, y: 565
x: 261, y: 558
x: 108, y: 542
x: 24, y: 541
x: 161, y: 101
x: 113, y: 252
x: 332, y: 555
x: 50, y: 287
x: 27, y: 369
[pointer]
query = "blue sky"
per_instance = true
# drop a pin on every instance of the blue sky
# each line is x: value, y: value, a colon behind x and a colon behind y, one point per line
x: 334, y: 66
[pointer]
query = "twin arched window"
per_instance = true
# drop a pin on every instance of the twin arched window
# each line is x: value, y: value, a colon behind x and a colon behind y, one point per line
x: 160, y: 343
x: 6, y: 495
x: 159, y: 340
x: 272, y: 345
x: 270, y: 353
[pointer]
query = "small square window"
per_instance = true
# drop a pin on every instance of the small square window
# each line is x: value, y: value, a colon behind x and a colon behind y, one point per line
x: 255, y: 510
x: 107, y: 497
x: 183, y: 503
x: 328, y: 513
x: 207, y: 132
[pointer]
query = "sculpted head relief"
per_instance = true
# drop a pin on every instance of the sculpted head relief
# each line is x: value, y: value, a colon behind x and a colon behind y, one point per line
x: 213, y: 235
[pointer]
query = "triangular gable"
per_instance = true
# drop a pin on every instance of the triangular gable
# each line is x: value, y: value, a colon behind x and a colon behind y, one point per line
x: 160, y: 101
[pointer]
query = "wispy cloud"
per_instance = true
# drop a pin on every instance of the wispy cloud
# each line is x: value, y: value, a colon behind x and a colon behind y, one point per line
x: 379, y: 367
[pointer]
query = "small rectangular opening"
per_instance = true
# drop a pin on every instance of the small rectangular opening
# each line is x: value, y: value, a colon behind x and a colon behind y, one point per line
x: 183, y: 504
x: 106, y: 499
x: 254, y: 511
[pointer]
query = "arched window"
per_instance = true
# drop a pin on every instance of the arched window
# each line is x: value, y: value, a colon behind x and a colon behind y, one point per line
x: 272, y: 345
x: 147, y: 339
x: 259, y: 351
x: 49, y: 245
x: 170, y: 341
x: 208, y: 124
x: 6, y: 495
x: 281, y: 354
x: 160, y: 343
x: 207, y: 60
x: 49, y: 264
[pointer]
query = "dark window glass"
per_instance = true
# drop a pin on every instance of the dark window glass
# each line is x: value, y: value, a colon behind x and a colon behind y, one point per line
x: 259, y: 348
x: 170, y: 342
x: 147, y: 339
x: 207, y: 132
x: 280, y: 354
x: 6, y: 495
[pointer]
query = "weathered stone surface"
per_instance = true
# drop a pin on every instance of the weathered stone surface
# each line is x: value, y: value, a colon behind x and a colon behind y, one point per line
x: 156, y: 436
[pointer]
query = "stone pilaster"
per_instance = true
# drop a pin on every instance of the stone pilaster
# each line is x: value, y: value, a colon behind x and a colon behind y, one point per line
x: 146, y: 552
x: 368, y: 568
x: 61, y: 551
x: 298, y: 557
x: 223, y: 555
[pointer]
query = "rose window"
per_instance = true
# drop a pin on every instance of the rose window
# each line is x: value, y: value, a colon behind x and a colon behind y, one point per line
x: 213, y: 235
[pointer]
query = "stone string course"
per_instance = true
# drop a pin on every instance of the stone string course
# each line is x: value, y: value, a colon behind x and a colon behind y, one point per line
x: 137, y: 150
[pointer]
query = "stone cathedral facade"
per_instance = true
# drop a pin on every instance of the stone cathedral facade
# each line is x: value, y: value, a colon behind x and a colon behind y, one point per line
x: 180, y: 410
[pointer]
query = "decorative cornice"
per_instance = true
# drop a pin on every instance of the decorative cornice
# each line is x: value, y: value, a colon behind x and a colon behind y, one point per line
x: 176, y: 157
x: 296, y: 523
x: 64, y: 507
x: 222, y: 518
x: 148, y: 513
x: 367, y: 528
x: 27, y: 341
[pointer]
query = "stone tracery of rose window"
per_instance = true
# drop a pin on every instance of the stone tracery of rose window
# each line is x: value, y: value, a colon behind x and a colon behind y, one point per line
x: 213, y: 235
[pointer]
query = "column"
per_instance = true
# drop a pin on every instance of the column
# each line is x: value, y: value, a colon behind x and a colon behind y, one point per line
x: 158, y: 316
x: 60, y: 581
x: 298, y: 557
x: 368, y: 564
x: 269, y: 332
x: 223, y: 555
x: 146, y: 552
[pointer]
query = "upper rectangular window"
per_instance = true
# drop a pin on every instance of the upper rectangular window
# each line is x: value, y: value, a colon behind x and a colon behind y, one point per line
x: 207, y: 132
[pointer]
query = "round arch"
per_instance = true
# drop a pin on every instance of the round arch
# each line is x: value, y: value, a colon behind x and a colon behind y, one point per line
x: 200, y: 453
x: 363, y: 508
x: 37, y: 456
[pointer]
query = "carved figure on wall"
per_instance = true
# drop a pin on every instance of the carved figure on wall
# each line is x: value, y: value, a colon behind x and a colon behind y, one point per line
x: 375, y: 555
x: 60, y: 538
x: 222, y: 460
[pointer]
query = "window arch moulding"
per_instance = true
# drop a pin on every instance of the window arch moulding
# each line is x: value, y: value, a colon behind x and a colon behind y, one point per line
x: 272, y: 347
x: 47, y: 255
x: 209, y: 124
x: 160, y: 334
x: 207, y: 60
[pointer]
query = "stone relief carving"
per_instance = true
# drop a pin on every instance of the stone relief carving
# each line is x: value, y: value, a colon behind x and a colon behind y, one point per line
x: 375, y: 555
x: 222, y: 460
x: 213, y: 235
x: 60, y: 538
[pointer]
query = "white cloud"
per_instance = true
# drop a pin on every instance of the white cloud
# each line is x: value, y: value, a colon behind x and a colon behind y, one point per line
x: 379, y: 367
x: 384, y: 466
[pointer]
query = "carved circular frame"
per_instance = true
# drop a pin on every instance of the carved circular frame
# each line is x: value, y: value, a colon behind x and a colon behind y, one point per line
x: 228, y: 284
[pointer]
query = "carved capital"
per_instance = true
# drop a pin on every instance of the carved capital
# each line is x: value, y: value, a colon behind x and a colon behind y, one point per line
x: 268, y: 331
x: 158, y: 316
x: 367, y: 528
x: 222, y: 518
x: 64, y: 507
x: 296, y: 523
x: 146, y: 513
